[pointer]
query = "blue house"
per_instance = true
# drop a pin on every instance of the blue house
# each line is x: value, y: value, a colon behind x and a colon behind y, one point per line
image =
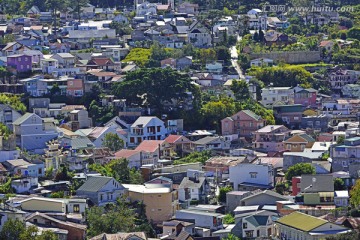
x: 35, y: 86
x: 32, y: 132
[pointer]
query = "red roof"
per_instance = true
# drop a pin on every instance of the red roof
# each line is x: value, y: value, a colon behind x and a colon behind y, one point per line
x: 102, y: 61
x: 125, y: 153
x: 149, y: 145
x: 324, y: 43
x: 172, y: 138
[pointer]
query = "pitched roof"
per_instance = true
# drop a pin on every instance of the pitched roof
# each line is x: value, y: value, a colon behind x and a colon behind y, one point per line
x: 81, y: 142
x: 175, y: 138
x: 251, y: 114
x: 206, y: 140
x: 119, y: 236
x: 125, y: 153
x: 66, y: 223
x: 267, y: 192
x: 94, y: 183
x: 143, y: 120
x: 301, y: 221
x: 257, y: 220
x: 189, y: 183
x: 149, y: 145
x: 23, y: 118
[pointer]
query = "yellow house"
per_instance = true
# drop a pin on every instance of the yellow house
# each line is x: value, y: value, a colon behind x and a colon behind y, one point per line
x: 298, y: 143
x: 160, y: 200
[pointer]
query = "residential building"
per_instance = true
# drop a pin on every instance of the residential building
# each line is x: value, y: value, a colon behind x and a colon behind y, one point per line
x: 8, y: 213
x: 193, y: 188
x: 262, y: 62
x: 271, y: 137
x: 79, y: 118
x: 35, y: 86
x: 24, y: 185
x: 247, y: 177
x: 21, y: 62
x: 8, y: 115
x: 304, y: 226
x: 121, y: 235
x: 75, y: 88
x: 203, y: 219
x: 306, y: 97
x: 49, y: 65
x: 292, y: 158
x: 266, y: 197
x: 55, y: 205
x: 133, y: 156
x: 183, y: 62
x: 317, y: 189
x: 257, y: 226
x: 275, y: 95
x: 342, y: 198
x: 318, y: 122
x: 338, y: 79
x: 146, y: 8
x: 199, y: 35
x: 158, y: 196
x: 146, y: 128
x: 65, y: 60
x: 212, y: 143
x: 189, y: 8
x: 214, y: 67
x: 25, y: 168
x: 153, y: 150
x: 345, y: 155
x: 32, y: 134
x: 290, y: 115
x: 101, y: 190
x: 219, y: 166
x: 180, y: 144
x: 298, y: 142
x: 243, y: 123
x: 351, y: 90
x: 44, y: 221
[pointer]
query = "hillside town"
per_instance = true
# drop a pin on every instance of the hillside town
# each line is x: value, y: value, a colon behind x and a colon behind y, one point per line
x: 179, y: 120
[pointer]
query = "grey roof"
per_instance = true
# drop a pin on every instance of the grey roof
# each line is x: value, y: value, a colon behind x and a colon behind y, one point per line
x: 23, y: 118
x: 187, y: 183
x: 206, y: 140
x: 94, y: 183
x: 310, y: 155
x: 257, y: 221
x: 267, y: 192
x: 143, y: 120
x: 81, y: 142
x: 65, y: 55
x: 317, y: 183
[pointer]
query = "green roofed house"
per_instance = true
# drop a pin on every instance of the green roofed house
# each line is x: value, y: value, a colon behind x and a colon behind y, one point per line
x: 302, y: 226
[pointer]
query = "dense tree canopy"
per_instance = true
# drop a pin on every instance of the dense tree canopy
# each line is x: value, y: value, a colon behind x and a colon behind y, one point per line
x: 113, y: 142
x: 154, y: 87
x: 299, y: 169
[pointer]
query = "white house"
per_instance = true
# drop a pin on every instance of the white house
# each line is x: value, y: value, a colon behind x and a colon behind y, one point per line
x: 247, y: 175
x: 272, y: 95
x: 341, y: 198
x: 203, y: 219
x: 146, y: 128
x: 193, y: 188
x: 261, y: 62
x: 199, y: 35
x: 23, y: 185
x: 257, y: 226
x: 146, y: 8
x: 212, y: 143
x: 101, y: 190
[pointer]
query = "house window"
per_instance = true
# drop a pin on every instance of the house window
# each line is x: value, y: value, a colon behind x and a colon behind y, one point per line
x: 245, y: 225
x: 249, y: 234
x: 253, y: 174
x: 101, y: 197
x: 76, y: 208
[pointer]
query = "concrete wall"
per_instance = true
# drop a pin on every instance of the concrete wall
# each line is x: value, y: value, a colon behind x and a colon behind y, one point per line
x: 291, y: 56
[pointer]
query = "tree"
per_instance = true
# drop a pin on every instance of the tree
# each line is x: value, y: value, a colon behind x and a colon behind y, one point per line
x: 223, y: 54
x: 231, y: 237
x: 355, y: 194
x: 240, y: 89
x: 12, y: 229
x: 78, y: 7
x: 156, y: 86
x: 339, y: 184
x: 299, y: 169
x: 113, y: 142
x: 228, y: 219
x: 63, y: 174
x: 110, y: 219
x: 256, y: 37
x: 119, y: 169
x: 280, y: 188
x: 354, y: 33
x: 261, y: 35
x: 340, y: 140
x: 54, y: 6
x: 222, y: 193
x: 194, y: 157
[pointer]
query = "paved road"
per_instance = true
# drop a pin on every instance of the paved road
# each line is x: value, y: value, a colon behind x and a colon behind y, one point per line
x: 234, y: 58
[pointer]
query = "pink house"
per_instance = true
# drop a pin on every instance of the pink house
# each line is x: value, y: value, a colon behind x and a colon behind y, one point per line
x: 75, y: 87
x: 305, y: 97
x: 243, y: 123
x: 271, y: 138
